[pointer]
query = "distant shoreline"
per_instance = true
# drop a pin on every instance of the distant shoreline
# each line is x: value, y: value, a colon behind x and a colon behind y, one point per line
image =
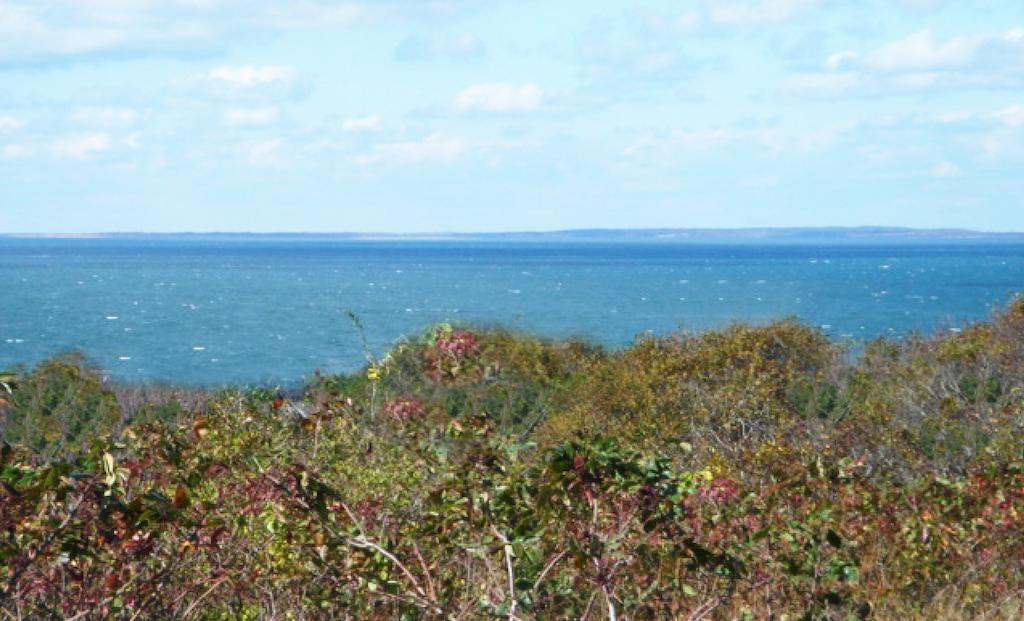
x: 658, y: 235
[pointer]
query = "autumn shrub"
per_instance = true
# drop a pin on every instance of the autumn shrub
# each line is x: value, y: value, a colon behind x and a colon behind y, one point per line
x: 59, y: 407
x: 753, y: 472
x: 65, y: 402
x: 940, y: 402
x: 714, y: 393
x: 511, y: 378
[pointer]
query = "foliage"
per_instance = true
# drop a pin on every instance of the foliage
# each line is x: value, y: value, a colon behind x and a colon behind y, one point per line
x: 58, y: 407
x: 65, y: 403
x: 749, y: 473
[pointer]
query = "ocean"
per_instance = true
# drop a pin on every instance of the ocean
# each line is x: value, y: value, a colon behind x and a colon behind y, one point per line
x: 269, y: 311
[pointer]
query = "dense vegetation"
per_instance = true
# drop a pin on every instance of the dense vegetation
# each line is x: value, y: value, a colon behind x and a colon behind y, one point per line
x: 746, y: 473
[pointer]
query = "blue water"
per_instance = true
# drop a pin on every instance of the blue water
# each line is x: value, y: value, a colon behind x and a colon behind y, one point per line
x: 254, y: 311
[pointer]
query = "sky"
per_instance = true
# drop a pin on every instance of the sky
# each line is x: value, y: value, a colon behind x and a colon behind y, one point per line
x: 462, y: 115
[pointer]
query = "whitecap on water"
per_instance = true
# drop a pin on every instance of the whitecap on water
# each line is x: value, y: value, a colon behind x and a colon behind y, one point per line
x: 112, y: 317
x: 198, y: 349
x: 124, y: 357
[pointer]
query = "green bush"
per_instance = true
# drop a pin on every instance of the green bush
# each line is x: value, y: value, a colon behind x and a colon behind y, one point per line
x: 60, y: 407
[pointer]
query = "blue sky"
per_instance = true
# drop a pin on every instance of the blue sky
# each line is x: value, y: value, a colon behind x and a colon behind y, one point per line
x: 459, y: 115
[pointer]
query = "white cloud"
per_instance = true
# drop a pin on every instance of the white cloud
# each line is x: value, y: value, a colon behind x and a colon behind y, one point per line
x: 436, y: 147
x: 756, y: 11
x: 14, y: 150
x: 264, y: 152
x: 32, y: 30
x: 921, y: 50
x: 131, y: 141
x: 921, y: 5
x: 249, y: 82
x: 920, y: 62
x: 826, y: 84
x: 687, y: 21
x: 667, y: 147
x: 500, y: 97
x: 361, y: 123
x: 946, y: 168
x: 702, y: 138
x: 9, y: 123
x: 81, y: 145
x: 252, y: 75
x: 458, y: 47
x: 683, y: 23
x: 1012, y: 116
x: 959, y: 116
x: 250, y: 116
x: 917, y: 81
x: 835, y: 61
x: 106, y: 116
x: 60, y: 30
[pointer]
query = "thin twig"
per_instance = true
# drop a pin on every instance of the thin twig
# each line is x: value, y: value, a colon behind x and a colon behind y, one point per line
x: 547, y: 568
x: 611, y: 606
x: 508, y: 569
x: 590, y: 604
x: 704, y: 609
x: 195, y: 602
x: 426, y: 571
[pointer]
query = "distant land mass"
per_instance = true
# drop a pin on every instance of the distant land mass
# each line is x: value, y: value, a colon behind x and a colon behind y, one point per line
x: 862, y: 234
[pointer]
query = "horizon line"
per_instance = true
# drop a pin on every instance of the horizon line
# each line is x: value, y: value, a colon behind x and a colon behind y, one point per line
x: 868, y: 229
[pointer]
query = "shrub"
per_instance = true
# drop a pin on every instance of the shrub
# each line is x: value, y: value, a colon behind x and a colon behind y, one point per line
x: 746, y: 473
x: 61, y: 406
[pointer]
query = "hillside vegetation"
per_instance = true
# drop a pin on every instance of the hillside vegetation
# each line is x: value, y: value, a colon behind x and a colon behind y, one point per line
x: 745, y: 473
